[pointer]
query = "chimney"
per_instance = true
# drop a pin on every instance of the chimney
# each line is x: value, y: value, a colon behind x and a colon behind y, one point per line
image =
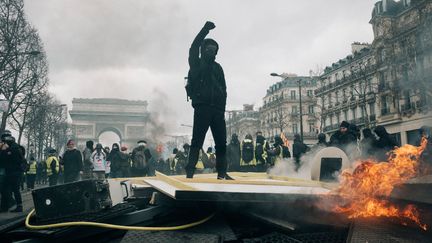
x: 357, y: 46
x: 248, y: 107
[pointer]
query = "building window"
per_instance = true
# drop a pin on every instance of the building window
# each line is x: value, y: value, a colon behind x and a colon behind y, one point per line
x: 331, y: 119
x: 311, y: 127
x: 294, y: 109
x: 294, y: 128
x: 384, y: 106
x: 372, y: 109
x: 346, y: 115
x: 338, y: 118
x: 310, y: 93
x: 344, y: 94
x: 293, y: 94
x: 311, y: 109
x: 337, y: 96
x: 354, y: 113
x: 329, y: 98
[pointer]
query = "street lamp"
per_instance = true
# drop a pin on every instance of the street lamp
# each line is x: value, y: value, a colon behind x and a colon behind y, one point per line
x: 300, y: 102
x: 185, y: 125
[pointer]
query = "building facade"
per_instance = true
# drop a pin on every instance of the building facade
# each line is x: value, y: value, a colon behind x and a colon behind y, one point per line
x: 348, y: 90
x: 242, y: 122
x: 389, y: 81
x: 280, y: 112
x: 403, y: 49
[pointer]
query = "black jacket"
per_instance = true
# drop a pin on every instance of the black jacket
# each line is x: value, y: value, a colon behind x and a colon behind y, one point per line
x: 72, y: 161
x: 299, y: 148
x: 12, y: 159
x: 206, y: 81
x: 341, y: 140
x: 233, y: 154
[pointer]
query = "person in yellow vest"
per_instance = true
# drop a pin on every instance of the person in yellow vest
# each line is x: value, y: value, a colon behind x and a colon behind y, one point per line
x: 200, y: 165
x: 31, y: 173
x: 209, y: 161
x: 247, y: 162
x: 52, y: 167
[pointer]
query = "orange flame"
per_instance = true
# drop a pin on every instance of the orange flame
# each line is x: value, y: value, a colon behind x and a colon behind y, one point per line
x: 365, y: 189
x: 285, y: 140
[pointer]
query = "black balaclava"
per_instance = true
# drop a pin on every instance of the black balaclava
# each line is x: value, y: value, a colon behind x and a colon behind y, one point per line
x: 367, y: 133
x: 89, y: 145
x: 321, y: 138
x: 209, y: 56
x: 260, y: 139
x: 115, y: 147
x: 381, y: 131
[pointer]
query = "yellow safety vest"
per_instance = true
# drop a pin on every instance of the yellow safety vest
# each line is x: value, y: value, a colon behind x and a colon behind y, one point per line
x: 200, y: 164
x: 32, y: 168
x: 50, y: 160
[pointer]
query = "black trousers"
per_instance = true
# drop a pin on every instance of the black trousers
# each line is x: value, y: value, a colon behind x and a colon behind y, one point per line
x: 71, y: 177
x: 31, y: 181
x: 204, y: 117
x: 13, y: 182
x: 53, y: 179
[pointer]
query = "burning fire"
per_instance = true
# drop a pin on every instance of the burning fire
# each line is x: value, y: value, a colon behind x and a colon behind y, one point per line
x: 366, y: 188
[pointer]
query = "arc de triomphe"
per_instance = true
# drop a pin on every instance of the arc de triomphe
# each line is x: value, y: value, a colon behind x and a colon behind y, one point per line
x: 91, y: 117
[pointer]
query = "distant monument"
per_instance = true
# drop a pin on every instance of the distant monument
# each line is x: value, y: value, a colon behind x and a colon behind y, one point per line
x: 92, y: 117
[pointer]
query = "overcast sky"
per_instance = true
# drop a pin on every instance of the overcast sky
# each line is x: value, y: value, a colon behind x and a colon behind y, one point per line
x: 137, y: 49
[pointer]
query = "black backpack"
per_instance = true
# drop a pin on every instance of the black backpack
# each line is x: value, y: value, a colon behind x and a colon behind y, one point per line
x: 139, y: 160
x: 248, y: 151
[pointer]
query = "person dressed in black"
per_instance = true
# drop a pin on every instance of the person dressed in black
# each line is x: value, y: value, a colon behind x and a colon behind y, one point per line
x: 367, y: 143
x: 261, y: 148
x: 343, y: 137
x: 142, y: 160
x: 384, y: 144
x: 13, y: 159
x: 299, y: 148
x: 207, y: 89
x: 234, y: 153
x: 322, y: 140
x: 72, y: 163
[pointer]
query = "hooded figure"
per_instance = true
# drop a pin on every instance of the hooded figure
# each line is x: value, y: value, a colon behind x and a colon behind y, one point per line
x: 233, y: 153
x: 384, y: 144
x: 12, y: 160
x: 206, y: 87
x: 115, y: 158
x: 322, y: 140
x: 261, y: 148
x: 299, y: 148
x: 343, y: 137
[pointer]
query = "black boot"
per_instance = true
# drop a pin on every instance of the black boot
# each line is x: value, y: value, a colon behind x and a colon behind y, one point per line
x: 224, y: 177
x: 18, y: 209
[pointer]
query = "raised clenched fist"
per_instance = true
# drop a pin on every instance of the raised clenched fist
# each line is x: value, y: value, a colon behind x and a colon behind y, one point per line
x: 209, y: 25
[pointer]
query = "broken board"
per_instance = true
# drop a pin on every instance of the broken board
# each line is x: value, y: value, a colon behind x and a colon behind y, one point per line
x: 244, y: 189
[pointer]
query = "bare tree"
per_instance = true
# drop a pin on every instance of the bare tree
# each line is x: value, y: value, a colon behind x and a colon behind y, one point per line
x: 23, y: 64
